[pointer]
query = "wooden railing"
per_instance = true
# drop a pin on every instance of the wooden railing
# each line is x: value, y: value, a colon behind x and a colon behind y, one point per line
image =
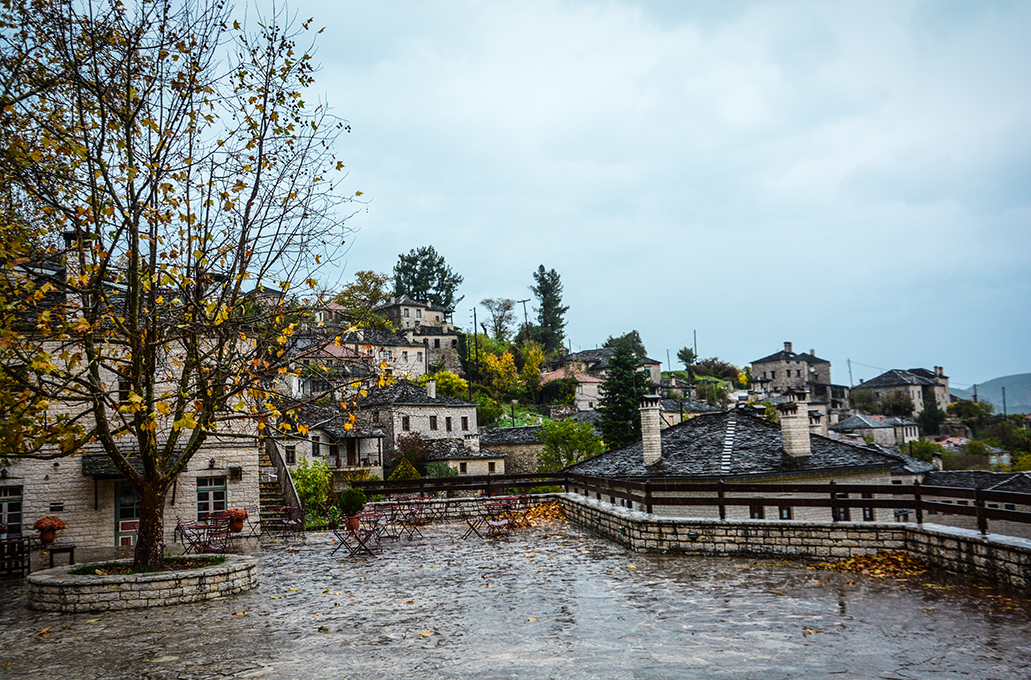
x: 840, y: 499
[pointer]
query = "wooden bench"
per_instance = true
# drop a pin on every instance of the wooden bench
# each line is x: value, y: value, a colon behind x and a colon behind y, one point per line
x: 67, y: 549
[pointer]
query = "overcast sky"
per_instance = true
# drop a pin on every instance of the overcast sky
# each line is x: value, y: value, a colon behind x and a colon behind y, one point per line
x: 852, y: 177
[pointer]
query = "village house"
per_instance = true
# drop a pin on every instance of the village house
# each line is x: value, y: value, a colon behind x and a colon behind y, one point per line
x: 349, y: 452
x: 521, y: 446
x: 885, y: 430
x: 675, y: 388
x: 404, y: 408
x: 465, y: 456
x: 676, y: 411
x: 738, y: 446
x: 426, y: 324
x: 785, y: 370
x: 587, y: 386
x: 595, y: 362
x: 919, y: 384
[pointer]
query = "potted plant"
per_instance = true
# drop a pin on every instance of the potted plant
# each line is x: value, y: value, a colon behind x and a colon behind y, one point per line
x: 351, y: 503
x: 48, y: 527
x: 236, y: 519
x: 334, y: 517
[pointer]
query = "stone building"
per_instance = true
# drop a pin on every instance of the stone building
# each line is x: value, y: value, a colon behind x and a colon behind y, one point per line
x: 101, y: 509
x: 520, y: 445
x: 587, y: 386
x: 465, y: 457
x: 403, y: 408
x: 738, y: 446
x: 884, y: 430
x: 776, y: 374
x: 676, y: 411
x: 426, y: 324
x: 919, y: 384
x: 595, y: 362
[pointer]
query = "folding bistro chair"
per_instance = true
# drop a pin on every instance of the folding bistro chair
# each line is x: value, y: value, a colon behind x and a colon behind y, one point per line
x: 361, y: 542
x: 474, y: 520
x: 192, y: 536
x: 293, y: 522
x: 256, y: 526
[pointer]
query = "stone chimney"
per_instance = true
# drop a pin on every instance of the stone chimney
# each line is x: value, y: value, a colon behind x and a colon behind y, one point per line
x: 651, y: 440
x: 794, y: 423
x: 936, y: 460
x: 431, y: 389
x: 812, y: 352
x: 787, y: 348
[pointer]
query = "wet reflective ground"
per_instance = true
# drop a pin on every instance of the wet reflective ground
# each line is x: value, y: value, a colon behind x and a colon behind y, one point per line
x: 547, y: 603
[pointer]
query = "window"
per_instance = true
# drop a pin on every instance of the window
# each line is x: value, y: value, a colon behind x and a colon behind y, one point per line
x: 123, y: 391
x: 290, y: 453
x: 211, y: 495
x: 418, y: 357
x: 436, y: 343
x: 437, y: 317
x: 433, y: 422
x: 590, y: 405
x: 375, y: 416
x: 447, y: 423
x: 463, y: 468
x: 404, y: 356
x: 465, y: 423
x: 491, y: 466
x: 418, y: 314
x: 868, y: 515
x: 315, y: 447
x: 406, y: 311
x: 755, y: 512
x: 334, y: 454
x: 785, y: 512
x: 406, y: 423
x: 10, y: 508
x: 454, y: 343
x: 386, y: 354
x: 773, y: 374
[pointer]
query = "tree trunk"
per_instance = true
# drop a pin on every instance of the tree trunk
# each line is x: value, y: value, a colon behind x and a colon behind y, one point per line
x: 150, y: 536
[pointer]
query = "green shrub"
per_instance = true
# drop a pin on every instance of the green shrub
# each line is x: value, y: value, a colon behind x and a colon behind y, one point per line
x: 351, y: 501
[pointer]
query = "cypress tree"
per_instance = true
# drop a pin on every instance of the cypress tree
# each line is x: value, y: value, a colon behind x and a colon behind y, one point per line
x: 622, y: 390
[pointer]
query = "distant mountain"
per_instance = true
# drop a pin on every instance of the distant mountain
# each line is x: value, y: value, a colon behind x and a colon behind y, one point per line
x: 1018, y: 393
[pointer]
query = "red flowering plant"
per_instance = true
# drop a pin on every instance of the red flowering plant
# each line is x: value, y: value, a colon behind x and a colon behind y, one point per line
x: 48, y: 522
x: 238, y: 514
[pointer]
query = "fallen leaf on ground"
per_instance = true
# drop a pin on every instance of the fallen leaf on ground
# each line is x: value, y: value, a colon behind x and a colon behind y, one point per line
x: 806, y: 630
x: 93, y: 620
x: 426, y: 632
x: 239, y: 613
x: 42, y: 632
x: 532, y: 618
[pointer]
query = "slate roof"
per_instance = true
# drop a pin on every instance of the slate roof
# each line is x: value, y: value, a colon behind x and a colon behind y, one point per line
x: 407, y: 393
x: 907, y: 465
x: 374, y: 336
x: 980, y: 479
x: 331, y: 421
x: 455, y: 449
x: 899, y: 378
x: 508, y: 436
x: 702, y: 449
x: 407, y: 301
x: 597, y: 359
x: 865, y: 422
x: 687, y: 405
x: 785, y: 355
x: 592, y: 417
x: 674, y: 384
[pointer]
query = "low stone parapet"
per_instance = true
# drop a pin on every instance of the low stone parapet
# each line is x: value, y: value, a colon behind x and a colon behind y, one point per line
x: 59, y: 590
x: 1003, y: 559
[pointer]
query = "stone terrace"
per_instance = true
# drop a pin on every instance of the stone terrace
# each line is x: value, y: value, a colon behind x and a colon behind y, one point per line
x: 550, y: 602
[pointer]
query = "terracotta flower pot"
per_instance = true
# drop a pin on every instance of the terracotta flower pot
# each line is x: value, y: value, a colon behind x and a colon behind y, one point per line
x: 353, y: 523
x: 47, y: 536
x: 236, y: 525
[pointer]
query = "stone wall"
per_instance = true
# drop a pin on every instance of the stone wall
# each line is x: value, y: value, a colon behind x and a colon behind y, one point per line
x: 998, y: 558
x: 59, y: 590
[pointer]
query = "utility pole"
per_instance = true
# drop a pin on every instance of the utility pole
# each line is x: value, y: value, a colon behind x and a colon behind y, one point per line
x: 975, y: 394
x: 526, y: 319
x: 696, y: 344
x: 851, y: 383
x: 1004, y: 402
x: 476, y: 345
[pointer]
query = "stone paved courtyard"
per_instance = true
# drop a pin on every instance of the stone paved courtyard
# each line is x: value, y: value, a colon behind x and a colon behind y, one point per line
x: 550, y: 602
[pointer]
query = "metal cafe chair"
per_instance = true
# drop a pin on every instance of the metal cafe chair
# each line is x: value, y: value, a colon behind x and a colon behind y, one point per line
x: 361, y: 542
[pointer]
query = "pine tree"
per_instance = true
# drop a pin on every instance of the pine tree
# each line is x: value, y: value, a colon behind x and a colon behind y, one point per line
x: 621, y: 395
x: 423, y: 275
x: 551, y: 310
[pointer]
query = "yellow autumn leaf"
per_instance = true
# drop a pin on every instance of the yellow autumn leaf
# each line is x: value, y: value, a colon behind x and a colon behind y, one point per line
x: 426, y: 632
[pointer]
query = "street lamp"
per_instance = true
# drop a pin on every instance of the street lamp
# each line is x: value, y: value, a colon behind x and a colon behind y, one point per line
x: 514, y: 402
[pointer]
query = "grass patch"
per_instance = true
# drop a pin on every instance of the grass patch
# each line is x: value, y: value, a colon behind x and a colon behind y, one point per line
x: 172, y: 563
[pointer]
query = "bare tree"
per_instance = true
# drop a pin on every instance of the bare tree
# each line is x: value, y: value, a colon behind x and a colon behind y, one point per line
x: 501, y: 316
x: 194, y: 193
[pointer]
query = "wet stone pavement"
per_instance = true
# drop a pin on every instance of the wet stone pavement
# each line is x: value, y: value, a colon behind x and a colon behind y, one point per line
x: 549, y: 602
